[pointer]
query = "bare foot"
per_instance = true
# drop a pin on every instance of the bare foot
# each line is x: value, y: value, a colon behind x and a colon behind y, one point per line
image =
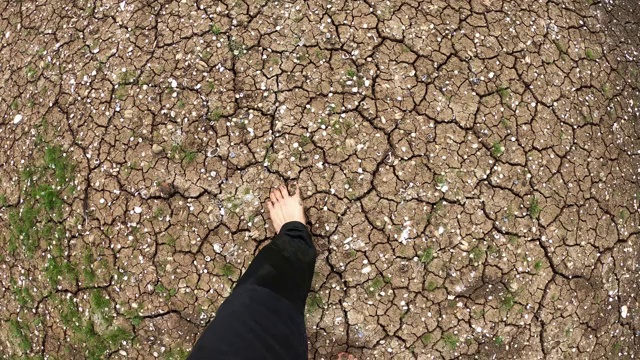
x: 284, y: 207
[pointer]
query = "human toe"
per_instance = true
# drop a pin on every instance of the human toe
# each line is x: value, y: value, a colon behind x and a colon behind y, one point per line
x: 284, y: 191
x: 274, y: 196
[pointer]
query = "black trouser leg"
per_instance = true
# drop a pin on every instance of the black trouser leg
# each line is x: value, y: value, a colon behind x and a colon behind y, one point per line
x: 286, y: 265
x: 263, y: 318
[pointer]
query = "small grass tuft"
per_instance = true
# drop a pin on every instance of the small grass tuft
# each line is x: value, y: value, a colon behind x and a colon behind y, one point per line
x: 450, y: 340
x: 568, y: 331
x: 177, y: 353
x: 538, y: 265
x: 236, y: 47
x: 534, y: 208
x: 427, y: 256
x: 215, y: 115
x: 227, y: 270
x: 337, y: 127
x: 606, y: 91
x: 477, y: 255
x: 190, y: 157
x: 477, y: 313
x: 87, y: 267
x: 498, y: 340
x: 497, y: 149
x: 30, y: 71
x: 206, y: 55
x: 167, y: 293
x: 504, y: 93
x: 159, y: 212
x: 616, y: 347
x: 304, y: 140
x: 314, y: 302
x: 623, y: 214
x: 508, y: 301
x: 179, y: 153
x: 426, y: 339
x: 215, y: 29
x: 431, y: 285
x: 126, y: 78
x: 374, y: 286
x: 120, y: 93
x: 136, y: 321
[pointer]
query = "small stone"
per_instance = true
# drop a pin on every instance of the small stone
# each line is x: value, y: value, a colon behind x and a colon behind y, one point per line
x: 17, y: 119
x: 157, y: 149
x: 201, y: 65
x: 166, y: 190
x: 350, y: 144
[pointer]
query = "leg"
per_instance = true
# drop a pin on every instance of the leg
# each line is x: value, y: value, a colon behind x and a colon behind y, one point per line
x: 263, y: 318
x: 286, y: 265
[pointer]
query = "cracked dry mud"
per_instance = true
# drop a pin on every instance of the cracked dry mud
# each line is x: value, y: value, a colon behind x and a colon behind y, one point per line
x: 470, y: 170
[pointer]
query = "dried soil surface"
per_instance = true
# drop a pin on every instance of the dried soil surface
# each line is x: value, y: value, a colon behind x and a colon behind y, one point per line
x: 470, y: 170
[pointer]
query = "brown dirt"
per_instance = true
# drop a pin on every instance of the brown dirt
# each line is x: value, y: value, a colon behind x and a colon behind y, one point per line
x: 470, y: 170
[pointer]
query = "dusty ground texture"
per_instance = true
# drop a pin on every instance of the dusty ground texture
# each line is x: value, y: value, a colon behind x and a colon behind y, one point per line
x: 470, y: 170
